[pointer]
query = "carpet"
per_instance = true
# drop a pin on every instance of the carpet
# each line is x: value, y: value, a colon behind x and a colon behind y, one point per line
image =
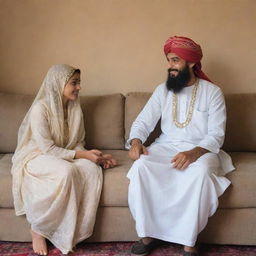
x: 123, y: 249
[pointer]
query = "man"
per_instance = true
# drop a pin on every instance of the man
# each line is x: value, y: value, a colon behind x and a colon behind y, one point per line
x: 175, y: 183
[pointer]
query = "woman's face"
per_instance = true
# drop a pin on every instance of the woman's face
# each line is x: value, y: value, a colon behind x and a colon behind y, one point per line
x: 72, y: 88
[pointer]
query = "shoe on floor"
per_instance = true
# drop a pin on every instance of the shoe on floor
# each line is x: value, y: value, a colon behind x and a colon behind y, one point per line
x: 141, y: 249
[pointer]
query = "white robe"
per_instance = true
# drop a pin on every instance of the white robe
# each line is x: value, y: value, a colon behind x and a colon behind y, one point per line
x: 170, y: 204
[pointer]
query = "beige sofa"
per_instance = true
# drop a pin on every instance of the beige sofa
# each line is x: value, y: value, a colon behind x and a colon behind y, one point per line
x: 107, y: 121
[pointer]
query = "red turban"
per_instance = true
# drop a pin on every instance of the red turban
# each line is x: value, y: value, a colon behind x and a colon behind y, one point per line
x: 188, y: 50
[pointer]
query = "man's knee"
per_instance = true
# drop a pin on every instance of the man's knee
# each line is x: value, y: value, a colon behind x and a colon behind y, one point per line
x: 202, y: 171
x: 140, y: 165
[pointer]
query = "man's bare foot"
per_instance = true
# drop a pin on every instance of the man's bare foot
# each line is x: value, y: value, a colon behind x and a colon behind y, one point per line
x: 39, y: 243
x: 147, y: 240
x: 190, y: 249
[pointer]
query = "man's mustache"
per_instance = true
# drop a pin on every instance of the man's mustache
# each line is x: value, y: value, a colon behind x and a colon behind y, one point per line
x: 171, y: 69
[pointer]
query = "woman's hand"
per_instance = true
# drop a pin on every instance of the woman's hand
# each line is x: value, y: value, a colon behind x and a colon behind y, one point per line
x: 93, y: 155
x: 108, y: 161
x: 96, y: 156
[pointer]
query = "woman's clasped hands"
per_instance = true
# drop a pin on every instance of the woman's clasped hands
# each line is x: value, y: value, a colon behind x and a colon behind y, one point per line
x: 104, y: 160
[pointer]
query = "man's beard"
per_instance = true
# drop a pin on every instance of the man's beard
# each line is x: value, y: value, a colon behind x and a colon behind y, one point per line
x: 177, y: 83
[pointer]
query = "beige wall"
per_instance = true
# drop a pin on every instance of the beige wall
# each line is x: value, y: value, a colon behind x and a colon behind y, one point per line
x: 118, y: 43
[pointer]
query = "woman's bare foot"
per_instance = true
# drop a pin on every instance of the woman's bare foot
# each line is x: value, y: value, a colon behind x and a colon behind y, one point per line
x: 39, y: 243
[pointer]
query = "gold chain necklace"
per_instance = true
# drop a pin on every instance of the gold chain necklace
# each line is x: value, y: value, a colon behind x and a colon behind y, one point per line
x: 190, y: 110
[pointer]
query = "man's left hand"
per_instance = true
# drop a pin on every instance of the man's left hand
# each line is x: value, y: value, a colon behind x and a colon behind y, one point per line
x: 183, y: 159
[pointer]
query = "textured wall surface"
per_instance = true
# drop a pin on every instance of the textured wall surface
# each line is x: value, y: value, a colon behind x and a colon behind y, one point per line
x: 118, y: 43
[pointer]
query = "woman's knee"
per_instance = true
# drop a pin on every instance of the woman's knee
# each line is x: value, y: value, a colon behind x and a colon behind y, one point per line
x: 67, y: 171
x: 88, y: 167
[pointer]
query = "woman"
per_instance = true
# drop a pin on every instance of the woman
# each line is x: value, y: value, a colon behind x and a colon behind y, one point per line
x: 56, y: 182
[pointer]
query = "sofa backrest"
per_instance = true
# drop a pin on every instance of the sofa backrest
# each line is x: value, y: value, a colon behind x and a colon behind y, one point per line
x: 13, y: 108
x: 108, y: 120
x: 134, y: 103
x: 241, y: 124
x: 103, y: 115
x: 104, y: 121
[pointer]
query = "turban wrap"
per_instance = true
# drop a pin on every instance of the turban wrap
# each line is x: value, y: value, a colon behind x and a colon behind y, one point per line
x: 188, y: 50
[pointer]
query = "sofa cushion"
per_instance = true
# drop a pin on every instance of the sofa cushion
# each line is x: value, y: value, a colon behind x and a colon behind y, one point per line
x: 104, y: 121
x: 115, y: 182
x: 134, y: 103
x: 241, y: 193
x: 103, y: 115
x: 115, y: 186
x: 6, y: 200
x: 241, y: 124
x: 13, y: 108
x: 240, y: 131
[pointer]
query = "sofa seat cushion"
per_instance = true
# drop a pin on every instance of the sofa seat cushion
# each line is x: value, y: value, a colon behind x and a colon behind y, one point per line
x: 241, y: 193
x: 115, y: 183
x: 115, y: 187
x: 6, y: 200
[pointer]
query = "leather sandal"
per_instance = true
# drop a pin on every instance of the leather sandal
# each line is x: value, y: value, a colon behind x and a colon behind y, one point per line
x: 141, y: 249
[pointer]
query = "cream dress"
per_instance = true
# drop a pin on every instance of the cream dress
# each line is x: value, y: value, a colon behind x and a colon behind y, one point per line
x: 58, y: 194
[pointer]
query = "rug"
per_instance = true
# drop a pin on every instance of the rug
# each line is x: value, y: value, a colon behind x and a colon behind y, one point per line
x: 123, y: 249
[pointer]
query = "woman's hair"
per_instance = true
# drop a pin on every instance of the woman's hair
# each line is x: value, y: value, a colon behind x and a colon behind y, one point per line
x: 77, y: 71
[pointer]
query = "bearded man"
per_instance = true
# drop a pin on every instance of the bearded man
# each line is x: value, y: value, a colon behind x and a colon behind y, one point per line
x: 175, y: 182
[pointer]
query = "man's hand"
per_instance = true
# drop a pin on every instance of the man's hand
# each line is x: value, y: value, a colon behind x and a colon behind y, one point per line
x: 137, y: 149
x: 183, y: 159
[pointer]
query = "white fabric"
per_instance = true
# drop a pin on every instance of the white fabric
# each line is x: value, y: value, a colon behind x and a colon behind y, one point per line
x: 171, y: 204
x: 58, y: 194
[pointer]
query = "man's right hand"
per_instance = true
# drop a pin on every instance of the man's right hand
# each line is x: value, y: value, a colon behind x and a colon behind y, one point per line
x: 137, y: 149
